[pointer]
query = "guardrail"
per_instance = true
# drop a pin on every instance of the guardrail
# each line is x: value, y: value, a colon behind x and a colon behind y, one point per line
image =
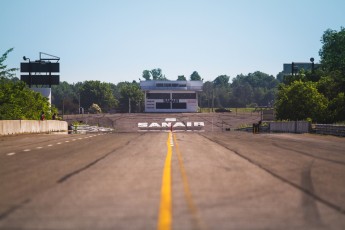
x: 299, y: 127
x: 336, y: 130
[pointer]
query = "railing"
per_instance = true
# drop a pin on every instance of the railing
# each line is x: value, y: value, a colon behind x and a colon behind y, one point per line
x: 336, y: 130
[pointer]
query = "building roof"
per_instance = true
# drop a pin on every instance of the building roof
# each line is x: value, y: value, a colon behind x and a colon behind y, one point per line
x: 171, y: 85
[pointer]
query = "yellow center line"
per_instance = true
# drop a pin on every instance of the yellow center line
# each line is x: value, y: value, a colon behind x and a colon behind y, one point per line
x: 197, y: 222
x: 165, y: 212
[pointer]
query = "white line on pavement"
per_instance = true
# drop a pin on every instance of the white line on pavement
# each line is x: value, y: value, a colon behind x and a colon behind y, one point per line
x: 10, y: 154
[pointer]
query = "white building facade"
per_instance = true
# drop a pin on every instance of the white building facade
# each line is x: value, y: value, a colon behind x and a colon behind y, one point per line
x: 171, y: 96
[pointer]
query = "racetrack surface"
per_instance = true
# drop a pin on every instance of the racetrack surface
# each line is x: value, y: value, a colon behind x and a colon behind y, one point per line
x: 218, y: 180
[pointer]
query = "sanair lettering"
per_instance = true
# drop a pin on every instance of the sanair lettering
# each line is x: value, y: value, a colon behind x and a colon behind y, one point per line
x: 169, y: 124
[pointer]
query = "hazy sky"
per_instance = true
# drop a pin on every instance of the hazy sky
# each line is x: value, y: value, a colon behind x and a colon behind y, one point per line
x: 115, y: 41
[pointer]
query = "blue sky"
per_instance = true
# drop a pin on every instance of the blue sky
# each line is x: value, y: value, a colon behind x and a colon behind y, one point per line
x: 114, y: 41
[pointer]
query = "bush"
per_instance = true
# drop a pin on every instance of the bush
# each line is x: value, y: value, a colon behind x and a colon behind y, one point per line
x: 94, y: 108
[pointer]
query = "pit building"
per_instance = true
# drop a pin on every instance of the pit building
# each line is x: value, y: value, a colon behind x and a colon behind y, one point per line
x: 171, y: 96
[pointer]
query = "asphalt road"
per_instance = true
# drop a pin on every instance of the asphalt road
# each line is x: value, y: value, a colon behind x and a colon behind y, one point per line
x: 182, y: 180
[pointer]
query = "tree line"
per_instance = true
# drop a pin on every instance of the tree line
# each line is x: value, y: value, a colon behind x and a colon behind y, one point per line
x: 245, y: 90
x: 249, y: 90
x: 316, y: 95
x: 19, y: 102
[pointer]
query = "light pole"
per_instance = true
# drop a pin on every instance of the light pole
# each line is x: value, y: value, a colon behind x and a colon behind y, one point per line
x: 312, y: 64
x: 25, y: 58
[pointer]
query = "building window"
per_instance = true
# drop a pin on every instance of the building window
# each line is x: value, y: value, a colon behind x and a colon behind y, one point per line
x: 158, y: 95
x: 179, y: 105
x: 162, y: 105
x: 169, y: 85
x: 184, y: 96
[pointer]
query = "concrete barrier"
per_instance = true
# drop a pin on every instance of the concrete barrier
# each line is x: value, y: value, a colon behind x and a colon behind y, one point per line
x: 8, y: 127
x: 290, y: 126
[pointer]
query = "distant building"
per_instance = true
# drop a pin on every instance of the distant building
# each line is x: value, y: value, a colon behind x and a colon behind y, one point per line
x: 171, y: 96
x: 287, y: 67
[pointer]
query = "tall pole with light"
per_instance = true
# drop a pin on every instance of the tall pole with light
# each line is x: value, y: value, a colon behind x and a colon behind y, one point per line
x: 312, y: 64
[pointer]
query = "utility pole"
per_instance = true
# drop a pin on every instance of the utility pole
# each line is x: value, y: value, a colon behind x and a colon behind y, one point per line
x: 212, y: 99
x: 129, y: 105
x: 79, y: 104
x: 63, y: 107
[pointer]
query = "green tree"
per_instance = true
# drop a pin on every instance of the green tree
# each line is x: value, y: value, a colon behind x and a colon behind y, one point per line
x: 288, y: 79
x: 221, y: 91
x: 222, y: 97
x: 157, y: 75
x: 337, y: 108
x: 99, y: 93
x: 4, y: 71
x: 327, y: 85
x: 146, y: 75
x: 115, y: 91
x: 332, y: 53
x: 299, y: 101
x: 66, y: 96
x: 181, y: 78
x: 242, y: 94
x: 280, y: 76
x: 221, y: 81
x: 195, y: 76
x: 132, y: 98
x: 332, y: 56
x: 18, y: 102
x: 257, y: 79
x: 254, y: 88
x: 207, y: 95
